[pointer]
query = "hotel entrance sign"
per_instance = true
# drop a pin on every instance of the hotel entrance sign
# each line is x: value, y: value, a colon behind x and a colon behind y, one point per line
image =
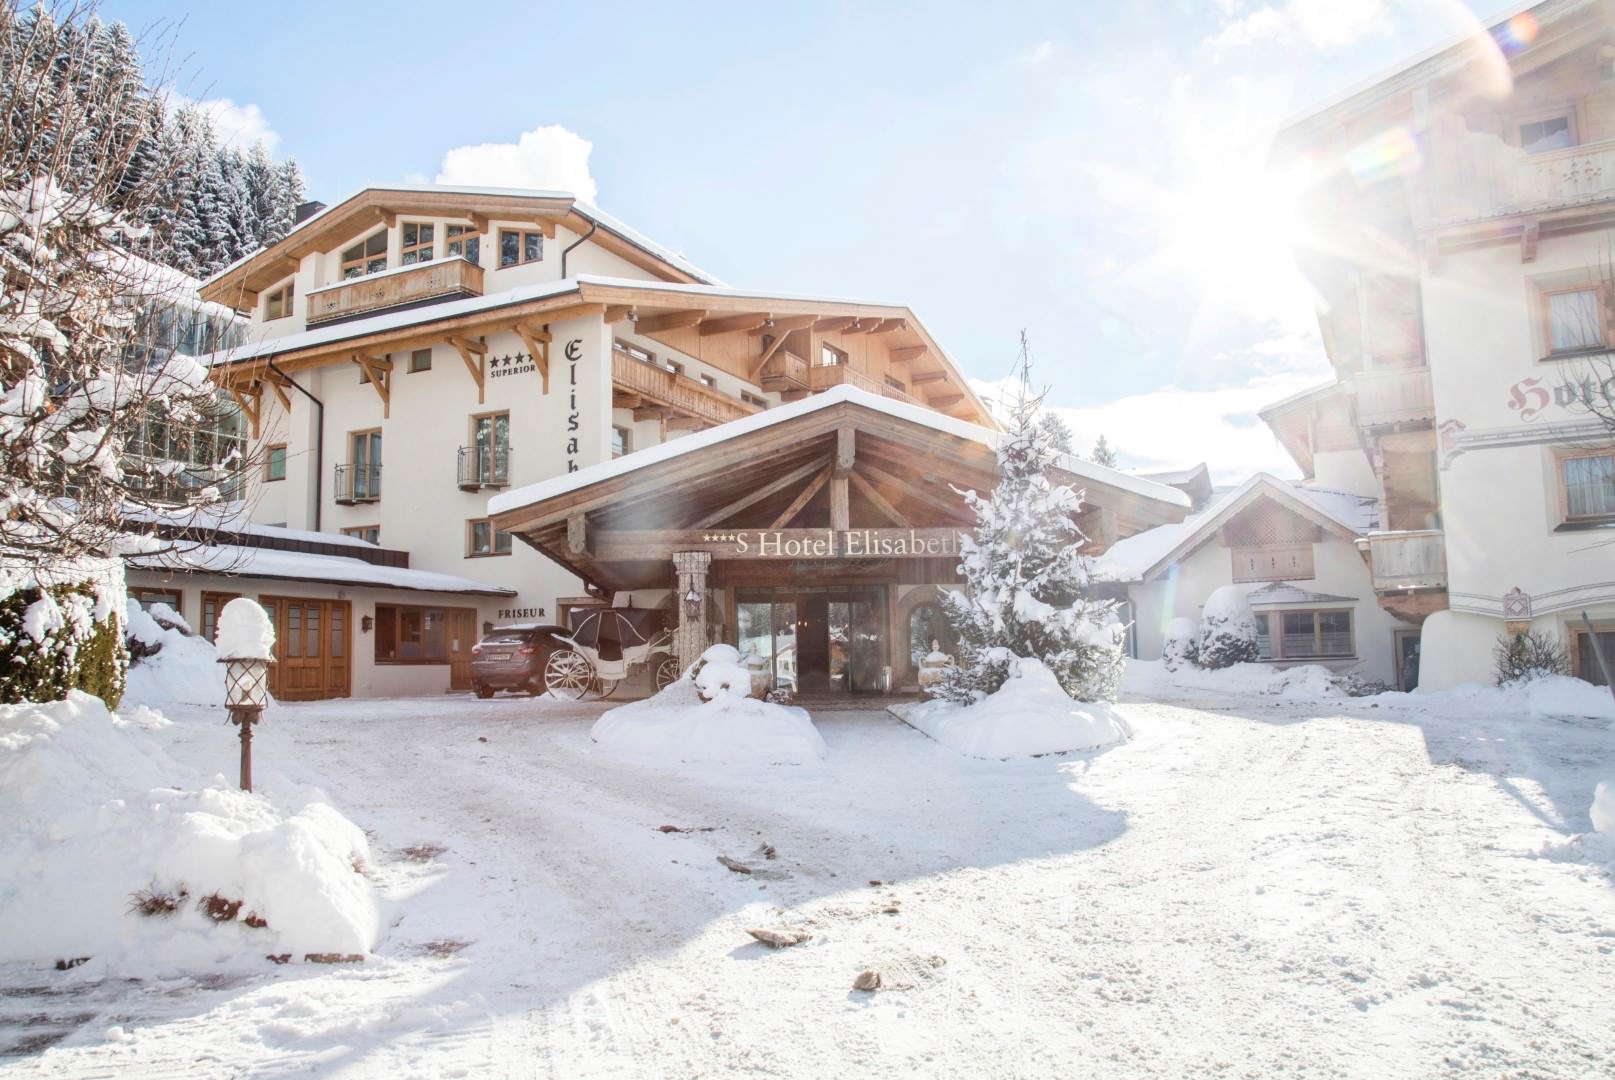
x: 780, y: 543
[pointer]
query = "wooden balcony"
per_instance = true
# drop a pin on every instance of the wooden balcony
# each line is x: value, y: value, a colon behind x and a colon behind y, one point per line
x: 825, y: 376
x: 1403, y: 561
x: 441, y: 279
x: 1394, y: 397
x: 1478, y: 177
x: 650, y: 390
x: 784, y: 372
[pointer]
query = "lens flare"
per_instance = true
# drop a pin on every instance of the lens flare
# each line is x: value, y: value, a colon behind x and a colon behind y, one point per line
x: 1390, y: 153
x: 1515, y: 34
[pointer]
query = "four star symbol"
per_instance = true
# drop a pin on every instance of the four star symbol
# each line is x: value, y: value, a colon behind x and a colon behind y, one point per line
x: 719, y: 538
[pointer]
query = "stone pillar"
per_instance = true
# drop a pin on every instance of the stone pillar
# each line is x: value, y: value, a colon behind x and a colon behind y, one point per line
x: 690, y: 641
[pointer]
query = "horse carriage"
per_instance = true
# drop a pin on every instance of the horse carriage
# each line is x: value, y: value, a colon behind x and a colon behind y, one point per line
x: 606, y: 646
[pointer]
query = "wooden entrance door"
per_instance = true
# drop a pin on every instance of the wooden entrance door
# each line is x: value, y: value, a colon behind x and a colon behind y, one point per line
x: 463, y: 633
x: 312, y: 648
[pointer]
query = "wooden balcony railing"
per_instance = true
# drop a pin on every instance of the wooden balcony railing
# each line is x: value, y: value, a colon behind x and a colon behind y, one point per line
x: 1407, y: 560
x: 828, y: 375
x: 674, y: 392
x: 442, y: 279
x: 785, y: 371
x: 1391, y: 396
x: 1477, y: 176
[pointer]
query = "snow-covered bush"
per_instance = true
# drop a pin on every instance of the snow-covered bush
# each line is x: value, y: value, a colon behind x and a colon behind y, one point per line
x: 1531, y: 655
x: 1028, y: 715
x: 1026, y: 580
x: 58, y: 635
x: 1180, y: 649
x: 1227, y: 630
x: 720, y: 673
x: 113, y: 847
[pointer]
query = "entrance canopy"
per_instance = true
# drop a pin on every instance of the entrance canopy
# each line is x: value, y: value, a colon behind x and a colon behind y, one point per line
x: 844, y: 477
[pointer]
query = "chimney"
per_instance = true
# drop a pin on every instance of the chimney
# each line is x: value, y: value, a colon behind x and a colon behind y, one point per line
x: 308, y: 210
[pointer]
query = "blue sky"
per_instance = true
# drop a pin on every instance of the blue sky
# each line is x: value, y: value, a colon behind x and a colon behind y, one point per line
x: 1091, y: 172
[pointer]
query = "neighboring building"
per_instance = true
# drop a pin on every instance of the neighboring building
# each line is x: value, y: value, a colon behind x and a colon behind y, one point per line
x: 414, y: 351
x: 1295, y: 551
x: 1459, y: 228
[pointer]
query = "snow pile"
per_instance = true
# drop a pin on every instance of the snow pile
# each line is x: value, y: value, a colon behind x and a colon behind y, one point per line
x: 1148, y: 678
x: 1227, y: 629
x: 676, y: 725
x: 1561, y: 695
x: 245, y: 631
x: 101, y: 823
x: 1603, y: 809
x: 169, y: 664
x: 1029, y: 715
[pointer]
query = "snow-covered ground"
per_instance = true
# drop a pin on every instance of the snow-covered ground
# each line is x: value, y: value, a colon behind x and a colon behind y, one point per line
x: 1260, y: 887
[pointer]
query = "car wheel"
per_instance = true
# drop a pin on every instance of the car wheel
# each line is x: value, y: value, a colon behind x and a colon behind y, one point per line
x: 483, y: 692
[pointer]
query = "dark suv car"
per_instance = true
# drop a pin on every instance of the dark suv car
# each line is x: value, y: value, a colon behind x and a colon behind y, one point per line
x: 513, y: 658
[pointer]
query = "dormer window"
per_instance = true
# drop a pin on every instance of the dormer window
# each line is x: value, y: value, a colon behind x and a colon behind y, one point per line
x: 517, y: 247
x: 417, y: 242
x: 368, y: 256
x: 278, y: 304
x: 465, y: 240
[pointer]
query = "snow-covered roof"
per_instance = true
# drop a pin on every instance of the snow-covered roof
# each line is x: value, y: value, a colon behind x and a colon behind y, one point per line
x: 230, y: 517
x: 1282, y: 593
x: 1141, y: 556
x: 734, y: 429
x: 234, y: 561
x: 586, y: 210
x: 1309, y: 394
x: 448, y: 309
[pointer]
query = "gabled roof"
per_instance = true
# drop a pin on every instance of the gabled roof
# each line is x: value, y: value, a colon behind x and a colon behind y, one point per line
x: 1283, y: 594
x: 908, y: 467
x: 1288, y: 420
x: 372, y: 206
x: 1150, y: 554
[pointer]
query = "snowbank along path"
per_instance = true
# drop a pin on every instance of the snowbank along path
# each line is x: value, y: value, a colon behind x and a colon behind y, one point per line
x: 1248, y: 890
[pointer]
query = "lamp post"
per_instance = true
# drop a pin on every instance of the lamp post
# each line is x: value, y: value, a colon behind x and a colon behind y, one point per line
x: 246, y: 643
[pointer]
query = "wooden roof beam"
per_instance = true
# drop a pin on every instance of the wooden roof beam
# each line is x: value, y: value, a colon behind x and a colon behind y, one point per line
x: 907, y: 353
x: 868, y: 490
x: 475, y: 356
x: 538, y: 344
x: 886, y: 326
x: 839, y: 322
x: 781, y: 327
x: 726, y: 512
x: 944, y: 400
x: 803, y: 497
x: 378, y: 368
x: 730, y: 324
x: 616, y: 313
x: 672, y: 320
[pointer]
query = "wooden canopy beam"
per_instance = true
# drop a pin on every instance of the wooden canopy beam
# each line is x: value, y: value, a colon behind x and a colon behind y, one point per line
x: 803, y: 497
x: 944, y: 400
x: 846, y: 450
x: 868, y: 490
x: 538, y: 344
x: 911, y: 490
x: 616, y: 313
x: 577, y: 534
x: 475, y: 357
x: 672, y: 320
x: 888, y: 325
x: 839, y: 322
x: 920, y: 378
x: 730, y: 324
x: 781, y: 327
x: 907, y: 353
x: 250, y: 403
x: 751, y: 498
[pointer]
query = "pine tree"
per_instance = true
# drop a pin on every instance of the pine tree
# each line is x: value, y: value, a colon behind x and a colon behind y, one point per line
x: 1103, y: 454
x: 287, y: 196
x: 1059, y: 433
x: 1026, y: 578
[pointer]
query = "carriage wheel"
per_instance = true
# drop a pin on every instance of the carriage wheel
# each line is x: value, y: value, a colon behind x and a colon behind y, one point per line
x: 667, y: 672
x: 568, y: 675
x: 606, y: 687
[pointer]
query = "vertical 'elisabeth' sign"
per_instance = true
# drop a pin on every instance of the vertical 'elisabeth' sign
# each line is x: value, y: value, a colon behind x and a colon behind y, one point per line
x: 574, y: 349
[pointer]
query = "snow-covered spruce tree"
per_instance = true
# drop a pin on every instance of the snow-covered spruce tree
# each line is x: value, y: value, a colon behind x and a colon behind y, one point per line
x: 1227, y: 630
x: 76, y: 383
x: 1026, y: 578
x: 1103, y: 454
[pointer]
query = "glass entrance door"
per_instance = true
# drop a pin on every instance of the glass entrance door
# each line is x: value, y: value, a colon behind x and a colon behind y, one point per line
x: 829, y: 640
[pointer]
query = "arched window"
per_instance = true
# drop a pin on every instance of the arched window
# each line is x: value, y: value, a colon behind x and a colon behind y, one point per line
x: 928, y: 623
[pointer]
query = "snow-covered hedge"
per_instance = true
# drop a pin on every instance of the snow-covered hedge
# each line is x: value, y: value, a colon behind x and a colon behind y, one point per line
x: 62, y: 633
x: 114, y: 850
x: 169, y: 663
x: 1181, y: 649
x: 1227, y: 630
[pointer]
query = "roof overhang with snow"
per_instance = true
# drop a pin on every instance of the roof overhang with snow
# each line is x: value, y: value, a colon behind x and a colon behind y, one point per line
x: 237, y: 285
x: 617, y: 523
x: 1145, y: 558
x: 704, y: 311
x: 233, y: 561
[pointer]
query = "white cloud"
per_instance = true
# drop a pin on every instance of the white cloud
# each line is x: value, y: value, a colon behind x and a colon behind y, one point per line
x: 240, y: 126
x: 1321, y: 23
x: 1170, y: 428
x: 1036, y: 54
x: 546, y: 158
